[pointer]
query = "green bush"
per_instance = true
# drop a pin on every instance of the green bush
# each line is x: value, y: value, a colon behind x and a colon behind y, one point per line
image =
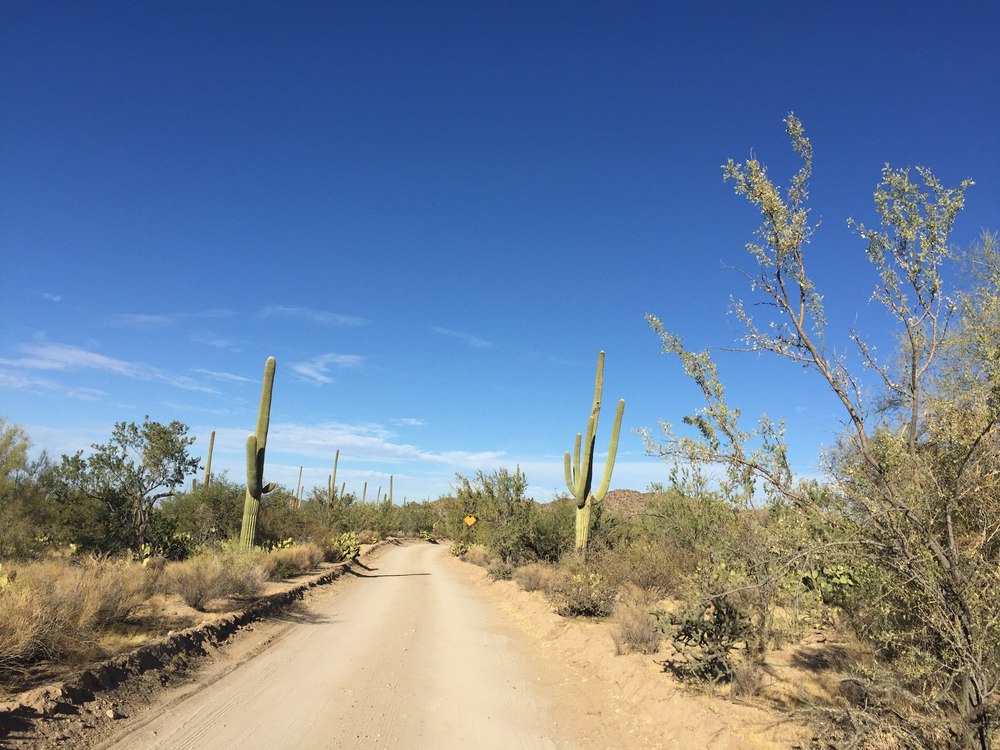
x: 584, y: 594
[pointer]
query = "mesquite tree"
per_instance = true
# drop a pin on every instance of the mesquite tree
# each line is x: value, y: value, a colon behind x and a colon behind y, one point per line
x: 915, y: 479
x: 139, y: 466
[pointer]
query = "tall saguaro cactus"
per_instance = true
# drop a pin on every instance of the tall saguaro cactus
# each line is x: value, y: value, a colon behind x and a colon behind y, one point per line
x: 331, y: 487
x: 580, y: 470
x: 208, y: 461
x: 256, y: 443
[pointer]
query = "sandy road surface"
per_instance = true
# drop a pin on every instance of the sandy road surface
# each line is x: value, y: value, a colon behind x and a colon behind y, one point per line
x: 406, y: 655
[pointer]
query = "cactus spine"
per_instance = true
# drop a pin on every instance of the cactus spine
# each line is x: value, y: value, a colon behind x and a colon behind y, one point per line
x: 256, y: 443
x: 580, y: 471
x: 208, y: 461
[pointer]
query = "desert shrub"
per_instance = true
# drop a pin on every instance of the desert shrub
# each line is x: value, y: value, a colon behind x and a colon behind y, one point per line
x: 248, y: 570
x: 24, y: 627
x: 459, y: 548
x: 505, y: 514
x: 647, y: 564
x: 228, y: 570
x: 747, y: 677
x: 198, y: 580
x: 637, y: 626
x: 498, y: 570
x: 585, y: 593
x: 477, y: 554
x: 552, y: 531
x: 57, y: 607
x: 208, y: 513
x: 289, y: 561
x: 367, y: 536
x: 536, y: 577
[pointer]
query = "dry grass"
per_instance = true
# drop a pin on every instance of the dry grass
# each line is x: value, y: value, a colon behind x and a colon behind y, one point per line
x: 637, y: 629
x: 654, y: 567
x: 198, y: 580
x: 293, y: 560
x: 368, y: 536
x: 226, y: 572
x: 477, y: 554
x: 57, y: 608
x: 537, y: 577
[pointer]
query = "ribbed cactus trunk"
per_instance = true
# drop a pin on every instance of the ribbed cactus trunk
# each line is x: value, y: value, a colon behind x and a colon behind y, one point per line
x: 580, y: 469
x: 296, y: 501
x: 256, y: 444
x: 208, y: 461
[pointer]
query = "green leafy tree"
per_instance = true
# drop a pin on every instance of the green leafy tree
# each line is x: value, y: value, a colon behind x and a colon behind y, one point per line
x: 28, y: 517
x: 916, y: 477
x: 126, y: 477
x: 498, y: 502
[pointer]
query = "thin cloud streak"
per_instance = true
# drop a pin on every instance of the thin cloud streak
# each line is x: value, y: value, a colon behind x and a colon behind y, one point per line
x: 219, y: 342
x: 322, y: 317
x: 68, y: 358
x: 361, y: 442
x: 315, y: 370
x: 224, y: 376
x: 468, y: 338
x: 155, y: 320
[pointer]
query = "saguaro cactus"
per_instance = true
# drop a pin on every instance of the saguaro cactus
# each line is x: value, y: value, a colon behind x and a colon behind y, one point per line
x: 208, y: 461
x: 296, y: 501
x: 331, y: 487
x: 580, y: 471
x: 256, y: 443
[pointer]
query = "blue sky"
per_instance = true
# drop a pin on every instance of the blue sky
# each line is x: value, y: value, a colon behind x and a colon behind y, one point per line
x: 435, y: 215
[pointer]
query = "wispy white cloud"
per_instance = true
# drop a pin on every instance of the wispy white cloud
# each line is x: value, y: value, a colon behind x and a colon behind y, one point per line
x: 323, y: 317
x: 52, y: 297
x: 67, y: 358
x: 21, y: 382
x: 159, y: 320
x: 410, y: 422
x: 211, y: 339
x: 225, y: 376
x: 372, y: 443
x: 316, y: 370
x: 468, y: 338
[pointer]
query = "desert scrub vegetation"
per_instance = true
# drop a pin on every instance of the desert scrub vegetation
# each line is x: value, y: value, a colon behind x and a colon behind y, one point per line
x: 58, y: 608
x: 228, y: 570
x: 908, y: 517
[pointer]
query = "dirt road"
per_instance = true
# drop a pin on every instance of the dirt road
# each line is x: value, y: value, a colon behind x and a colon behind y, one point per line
x: 405, y: 655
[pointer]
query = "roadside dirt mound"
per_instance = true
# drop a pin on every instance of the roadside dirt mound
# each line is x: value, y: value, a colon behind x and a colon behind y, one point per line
x: 646, y: 707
